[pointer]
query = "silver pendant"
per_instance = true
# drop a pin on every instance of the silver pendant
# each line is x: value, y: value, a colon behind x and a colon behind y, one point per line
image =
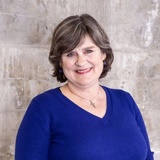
x: 93, y: 104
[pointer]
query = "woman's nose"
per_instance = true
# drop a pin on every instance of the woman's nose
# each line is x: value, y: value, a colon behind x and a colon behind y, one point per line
x: 81, y: 60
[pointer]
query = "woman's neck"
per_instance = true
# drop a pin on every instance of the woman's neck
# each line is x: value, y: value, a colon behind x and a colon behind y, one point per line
x: 85, y: 92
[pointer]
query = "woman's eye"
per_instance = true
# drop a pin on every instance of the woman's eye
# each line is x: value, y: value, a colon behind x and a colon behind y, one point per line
x: 71, y: 54
x: 89, y: 51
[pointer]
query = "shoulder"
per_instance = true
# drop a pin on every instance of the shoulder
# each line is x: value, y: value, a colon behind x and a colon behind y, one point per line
x: 117, y: 92
x: 46, y: 100
x: 47, y: 96
x: 121, y: 98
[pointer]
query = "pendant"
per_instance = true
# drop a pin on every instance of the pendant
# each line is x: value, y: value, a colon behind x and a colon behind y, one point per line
x: 93, y: 104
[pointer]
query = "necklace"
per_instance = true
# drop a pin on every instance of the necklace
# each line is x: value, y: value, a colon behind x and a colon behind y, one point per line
x: 90, y: 100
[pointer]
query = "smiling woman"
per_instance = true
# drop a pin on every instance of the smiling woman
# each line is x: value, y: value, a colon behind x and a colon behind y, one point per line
x: 82, y: 120
x: 70, y: 33
x: 84, y: 64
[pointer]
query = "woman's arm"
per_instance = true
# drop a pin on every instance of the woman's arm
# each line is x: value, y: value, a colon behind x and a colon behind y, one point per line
x: 142, y: 126
x: 33, y: 136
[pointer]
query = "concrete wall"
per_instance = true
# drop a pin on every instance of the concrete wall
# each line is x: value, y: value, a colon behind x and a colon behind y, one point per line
x: 25, y: 37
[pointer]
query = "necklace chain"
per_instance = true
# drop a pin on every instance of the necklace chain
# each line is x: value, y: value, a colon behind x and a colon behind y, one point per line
x: 90, y: 100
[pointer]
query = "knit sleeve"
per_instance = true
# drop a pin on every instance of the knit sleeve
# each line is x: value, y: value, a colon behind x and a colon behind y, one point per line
x: 142, y: 126
x: 33, y: 136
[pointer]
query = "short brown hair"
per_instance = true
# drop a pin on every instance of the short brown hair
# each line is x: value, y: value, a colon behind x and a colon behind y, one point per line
x: 67, y: 36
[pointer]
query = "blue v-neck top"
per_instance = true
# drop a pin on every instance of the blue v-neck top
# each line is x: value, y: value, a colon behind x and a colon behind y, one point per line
x: 55, y: 128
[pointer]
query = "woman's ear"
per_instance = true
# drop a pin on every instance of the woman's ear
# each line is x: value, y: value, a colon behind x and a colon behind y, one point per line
x: 60, y: 63
x: 104, y: 56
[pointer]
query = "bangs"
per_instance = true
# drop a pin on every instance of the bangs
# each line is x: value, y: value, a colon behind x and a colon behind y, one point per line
x: 72, y: 38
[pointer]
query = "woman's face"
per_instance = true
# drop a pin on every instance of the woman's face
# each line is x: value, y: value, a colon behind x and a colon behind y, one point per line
x: 84, y: 64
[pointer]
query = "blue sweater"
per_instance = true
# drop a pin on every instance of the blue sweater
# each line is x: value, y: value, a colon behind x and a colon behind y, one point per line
x: 55, y: 128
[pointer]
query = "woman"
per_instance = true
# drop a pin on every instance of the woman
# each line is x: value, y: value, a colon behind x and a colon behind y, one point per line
x: 82, y: 120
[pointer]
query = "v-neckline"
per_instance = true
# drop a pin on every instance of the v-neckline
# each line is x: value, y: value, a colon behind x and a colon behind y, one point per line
x: 107, y: 114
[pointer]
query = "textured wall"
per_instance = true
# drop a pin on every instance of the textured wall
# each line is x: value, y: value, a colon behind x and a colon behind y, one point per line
x: 25, y: 37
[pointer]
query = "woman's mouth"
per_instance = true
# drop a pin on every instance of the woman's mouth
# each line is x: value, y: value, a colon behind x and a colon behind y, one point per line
x: 83, y: 71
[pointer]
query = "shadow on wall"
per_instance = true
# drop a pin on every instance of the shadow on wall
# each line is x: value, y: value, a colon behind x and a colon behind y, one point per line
x: 157, y: 156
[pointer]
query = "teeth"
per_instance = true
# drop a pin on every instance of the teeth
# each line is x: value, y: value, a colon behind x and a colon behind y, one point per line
x: 82, y: 71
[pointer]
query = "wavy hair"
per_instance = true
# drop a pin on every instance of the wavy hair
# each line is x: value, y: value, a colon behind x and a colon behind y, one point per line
x: 68, y: 34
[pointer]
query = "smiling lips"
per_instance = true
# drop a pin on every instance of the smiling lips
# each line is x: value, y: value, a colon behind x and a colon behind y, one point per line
x: 83, y: 71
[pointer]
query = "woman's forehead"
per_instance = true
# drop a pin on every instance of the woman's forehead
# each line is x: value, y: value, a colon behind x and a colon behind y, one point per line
x: 86, y: 42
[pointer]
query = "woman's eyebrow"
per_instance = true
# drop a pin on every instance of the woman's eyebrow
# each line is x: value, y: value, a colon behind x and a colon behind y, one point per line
x: 89, y: 47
